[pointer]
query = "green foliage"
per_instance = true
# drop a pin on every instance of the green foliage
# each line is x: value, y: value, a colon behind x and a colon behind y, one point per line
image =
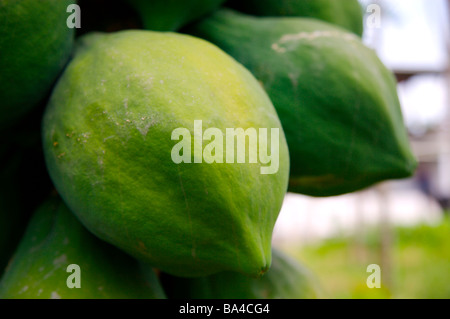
x: 419, y: 259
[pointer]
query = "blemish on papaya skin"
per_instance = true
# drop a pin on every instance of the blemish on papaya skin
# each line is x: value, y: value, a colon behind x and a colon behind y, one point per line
x: 144, y: 129
x: 263, y: 271
x: 310, y: 36
x: 60, y: 260
x: 55, y: 144
x: 294, y: 80
x: 277, y: 48
x: 315, y: 35
x: 61, y: 155
x: 55, y: 295
x: 107, y: 138
x: 25, y: 288
x: 142, y: 246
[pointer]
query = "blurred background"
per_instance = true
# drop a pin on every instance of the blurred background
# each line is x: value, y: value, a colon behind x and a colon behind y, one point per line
x: 403, y: 226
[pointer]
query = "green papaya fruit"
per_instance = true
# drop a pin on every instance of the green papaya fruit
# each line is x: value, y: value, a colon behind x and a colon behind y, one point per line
x: 24, y: 182
x: 347, y: 14
x: 171, y: 15
x: 110, y: 136
x: 55, y: 240
x: 35, y: 44
x: 286, y: 279
x: 337, y: 102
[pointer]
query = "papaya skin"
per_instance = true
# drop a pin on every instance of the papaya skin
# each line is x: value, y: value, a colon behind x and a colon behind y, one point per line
x: 171, y: 15
x: 54, y: 240
x: 347, y: 14
x: 337, y: 102
x: 286, y: 279
x: 35, y: 44
x: 107, y: 144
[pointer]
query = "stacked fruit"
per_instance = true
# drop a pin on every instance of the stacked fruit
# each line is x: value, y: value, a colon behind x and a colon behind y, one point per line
x: 170, y: 145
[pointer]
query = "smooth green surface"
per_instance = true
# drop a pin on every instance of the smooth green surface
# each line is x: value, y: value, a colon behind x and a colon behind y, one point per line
x: 286, y: 279
x: 54, y: 240
x: 171, y: 15
x: 417, y: 262
x: 344, y: 13
x: 337, y: 102
x: 35, y: 44
x: 107, y: 142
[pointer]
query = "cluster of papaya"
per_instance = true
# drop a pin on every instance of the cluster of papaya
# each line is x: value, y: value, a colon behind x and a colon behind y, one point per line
x: 102, y: 108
